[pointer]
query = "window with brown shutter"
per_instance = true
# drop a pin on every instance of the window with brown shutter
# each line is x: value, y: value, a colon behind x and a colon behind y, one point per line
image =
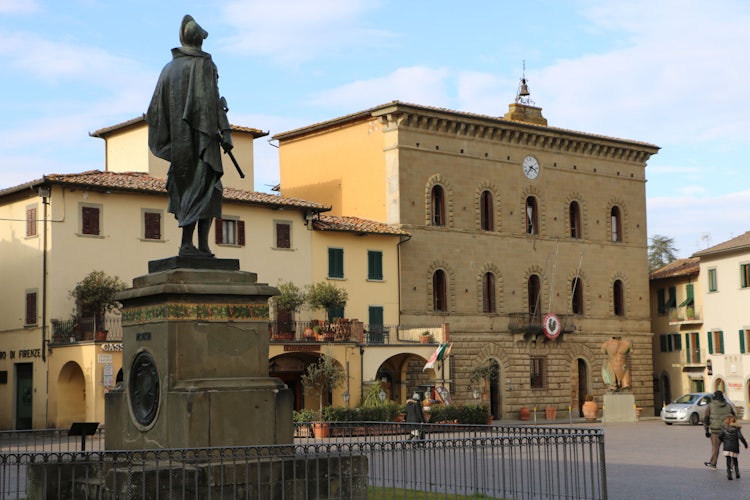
x: 90, y: 220
x: 31, y: 308
x: 152, y: 225
x: 283, y: 235
x: 31, y: 223
x: 230, y: 232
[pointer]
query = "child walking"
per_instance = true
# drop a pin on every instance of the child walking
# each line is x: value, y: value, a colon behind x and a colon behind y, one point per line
x: 730, y: 436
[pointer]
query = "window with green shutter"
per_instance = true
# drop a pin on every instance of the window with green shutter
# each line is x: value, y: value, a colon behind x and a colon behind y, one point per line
x: 687, y: 347
x: 374, y: 265
x: 745, y: 275
x: 713, y: 284
x: 716, y: 342
x: 336, y: 263
x: 663, y: 342
x: 742, y: 341
x: 672, y: 300
x: 660, y: 305
x: 375, y: 319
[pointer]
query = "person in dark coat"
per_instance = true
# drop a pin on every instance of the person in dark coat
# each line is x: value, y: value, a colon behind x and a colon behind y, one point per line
x: 187, y: 126
x: 718, y: 409
x: 730, y: 437
x: 415, y: 415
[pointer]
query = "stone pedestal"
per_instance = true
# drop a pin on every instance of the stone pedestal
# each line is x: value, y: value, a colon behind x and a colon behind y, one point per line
x: 619, y: 407
x: 195, y: 363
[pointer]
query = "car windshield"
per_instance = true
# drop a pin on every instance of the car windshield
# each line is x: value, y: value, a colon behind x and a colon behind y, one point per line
x: 687, y: 399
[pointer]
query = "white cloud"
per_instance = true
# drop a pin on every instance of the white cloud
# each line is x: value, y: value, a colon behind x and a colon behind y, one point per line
x: 687, y: 218
x: 415, y: 84
x: 53, y: 62
x: 19, y: 6
x: 291, y: 31
x: 676, y: 72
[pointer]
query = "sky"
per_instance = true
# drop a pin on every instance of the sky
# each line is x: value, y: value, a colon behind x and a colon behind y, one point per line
x: 673, y: 73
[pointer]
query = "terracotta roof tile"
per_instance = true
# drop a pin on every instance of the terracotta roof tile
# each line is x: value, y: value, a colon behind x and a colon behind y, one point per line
x: 143, y: 183
x: 737, y: 243
x: 354, y: 225
x: 383, y: 108
x: 679, y: 267
x: 141, y: 120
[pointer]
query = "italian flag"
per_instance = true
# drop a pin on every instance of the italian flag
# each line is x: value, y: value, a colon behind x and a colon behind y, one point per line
x: 440, y: 354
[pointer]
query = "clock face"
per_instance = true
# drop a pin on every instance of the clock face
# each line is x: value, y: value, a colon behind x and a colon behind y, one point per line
x: 530, y: 167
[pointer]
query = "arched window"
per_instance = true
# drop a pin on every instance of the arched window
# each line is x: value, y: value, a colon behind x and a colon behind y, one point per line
x: 439, y: 291
x: 534, y: 295
x: 488, y: 293
x: 618, y: 295
x: 574, y: 214
x: 616, y: 221
x: 532, y: 216
x: 577, y: 296
x: 487, y: 220
x: 437, y: 200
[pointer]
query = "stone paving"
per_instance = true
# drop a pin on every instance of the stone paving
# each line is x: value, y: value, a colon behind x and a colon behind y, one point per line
x: 652, y: 460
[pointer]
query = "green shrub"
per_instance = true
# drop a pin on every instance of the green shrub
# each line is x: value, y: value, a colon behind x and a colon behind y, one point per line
x: 463, y: 414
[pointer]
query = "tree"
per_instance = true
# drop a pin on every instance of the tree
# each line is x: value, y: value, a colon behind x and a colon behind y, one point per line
x: 290, y: 298
x: 326, y: 296
x: 321, y: 377
x: 661, y: 251
x: 96, y: 294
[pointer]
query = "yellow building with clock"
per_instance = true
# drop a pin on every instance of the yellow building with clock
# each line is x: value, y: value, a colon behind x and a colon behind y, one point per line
x: 529, y: 240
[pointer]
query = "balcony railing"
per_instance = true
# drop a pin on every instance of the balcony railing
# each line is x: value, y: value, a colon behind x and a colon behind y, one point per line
x: 531, y: 324
x: 353, y: 331
x: 75, y: 330
x: 685, y: 315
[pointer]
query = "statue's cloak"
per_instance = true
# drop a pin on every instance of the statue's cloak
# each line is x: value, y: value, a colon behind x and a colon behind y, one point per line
x: 184, y: 120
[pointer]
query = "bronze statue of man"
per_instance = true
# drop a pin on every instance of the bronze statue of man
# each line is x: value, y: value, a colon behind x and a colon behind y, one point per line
x: 188, y: 126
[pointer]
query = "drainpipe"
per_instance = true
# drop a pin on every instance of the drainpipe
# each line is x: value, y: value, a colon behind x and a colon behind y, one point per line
x: 398, y: 266
x: 44, y: 192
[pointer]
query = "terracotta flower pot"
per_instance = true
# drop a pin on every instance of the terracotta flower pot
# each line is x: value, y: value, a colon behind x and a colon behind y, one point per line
x: 550, y: 413
x: 524, y: 413
x: 590, y: 410
x: 320, y: 429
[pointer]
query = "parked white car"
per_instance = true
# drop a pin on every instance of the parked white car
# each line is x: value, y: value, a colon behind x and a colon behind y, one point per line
x: 688, y: 408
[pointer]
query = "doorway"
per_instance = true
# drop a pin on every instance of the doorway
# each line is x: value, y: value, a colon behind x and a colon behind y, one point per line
x: 24, y: 378
x: 496, y: 403
x: 583, y: 384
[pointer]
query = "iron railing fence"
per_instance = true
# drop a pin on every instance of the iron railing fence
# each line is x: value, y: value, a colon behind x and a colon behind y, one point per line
x: 71, y: 331
x: 496, y: 461
x: 48, y: 441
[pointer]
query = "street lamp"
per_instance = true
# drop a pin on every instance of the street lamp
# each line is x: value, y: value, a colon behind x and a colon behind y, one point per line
x: 475, y: 393
x: 382, y: 396
x: 345, y: 397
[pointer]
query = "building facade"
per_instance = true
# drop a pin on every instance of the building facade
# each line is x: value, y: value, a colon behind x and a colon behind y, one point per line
x: 725, y: 269
x: 54, y: 370
x: 510, y: 220
x: 677, y: 322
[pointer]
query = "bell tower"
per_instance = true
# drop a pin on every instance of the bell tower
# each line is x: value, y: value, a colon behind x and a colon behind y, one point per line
x: 523, y: 109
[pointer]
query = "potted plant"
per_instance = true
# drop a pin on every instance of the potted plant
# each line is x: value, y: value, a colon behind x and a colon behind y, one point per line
x: 328, y: 297
x: 425, y: 337
x: 482, y: 374
x: 95, y: 294
x: 690, y: 311
x: 320, y: 378
x: 590, y: 408
x: 288, y: 302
